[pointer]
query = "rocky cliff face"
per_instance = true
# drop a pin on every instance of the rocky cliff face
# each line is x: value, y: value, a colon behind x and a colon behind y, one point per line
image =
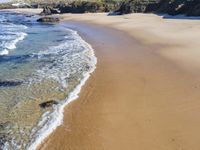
x: 171, y: 7
x: 176, y: 7
x: 137, y: 6
x: 48, y: 10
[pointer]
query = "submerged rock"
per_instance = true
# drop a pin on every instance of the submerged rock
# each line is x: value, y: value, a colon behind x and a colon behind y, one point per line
x: 10, y: 83
x: 4, y: 137
x: 3, y: 140
x: 5, y: 125
x: 48, y: 104
x: 48, y: 19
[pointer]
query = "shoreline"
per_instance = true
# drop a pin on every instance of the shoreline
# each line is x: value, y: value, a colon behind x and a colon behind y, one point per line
x: 144, y: 93
x: 58, y: 113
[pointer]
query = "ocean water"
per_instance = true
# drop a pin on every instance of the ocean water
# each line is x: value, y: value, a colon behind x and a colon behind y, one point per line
x: 39, y: 63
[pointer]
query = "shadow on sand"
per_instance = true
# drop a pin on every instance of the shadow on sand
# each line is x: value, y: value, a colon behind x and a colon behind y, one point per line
x: 164, y: 16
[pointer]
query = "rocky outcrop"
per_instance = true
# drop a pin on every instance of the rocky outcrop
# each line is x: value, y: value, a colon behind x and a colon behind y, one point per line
x: 48, y: 19
x: 48, y: 104
x: 195, y: 11
x: 176, y: 7
x: 47, y: 10
x: 171, y: 7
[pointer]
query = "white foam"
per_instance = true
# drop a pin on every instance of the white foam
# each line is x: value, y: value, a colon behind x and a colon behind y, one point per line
x: 51, y: 121
x: 19, y: 37
x: 4, y: 52
x: 67, y: 60
x: 11, y: 34
x: 11, y: 44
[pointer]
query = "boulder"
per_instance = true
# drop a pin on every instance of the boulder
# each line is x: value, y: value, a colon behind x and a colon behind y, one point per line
x: 47, y: 10
x: 48, y: 19
x: 35, y: 5
x: 48, y: 104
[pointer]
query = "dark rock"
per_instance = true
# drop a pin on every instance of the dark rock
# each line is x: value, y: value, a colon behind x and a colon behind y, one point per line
x: 15, y: 58
x: 47, y: 10
x: 177, y: 7
x: 171, y: 7
x: 48, y: 104
x: 10, y: 83
x: 28, y: 16
x: 152, y: 7
x: 5, y: 125
x: 195, y: 11
x: 35, y: 5
x: 3, y: 140
x: 49, y: 19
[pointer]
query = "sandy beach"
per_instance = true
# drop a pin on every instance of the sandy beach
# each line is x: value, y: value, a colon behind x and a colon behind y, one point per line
x: 144, y: 93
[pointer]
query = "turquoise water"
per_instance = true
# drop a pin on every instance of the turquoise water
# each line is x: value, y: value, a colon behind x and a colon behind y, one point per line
x: 38, y: 63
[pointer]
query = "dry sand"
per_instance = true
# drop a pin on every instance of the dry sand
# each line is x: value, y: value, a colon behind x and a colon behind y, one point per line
x: 144, y: 94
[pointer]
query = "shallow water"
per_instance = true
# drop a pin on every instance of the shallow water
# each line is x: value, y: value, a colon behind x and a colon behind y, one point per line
x: 38, y: 63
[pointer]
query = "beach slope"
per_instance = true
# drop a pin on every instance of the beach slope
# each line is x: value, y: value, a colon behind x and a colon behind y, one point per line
x: 144, y: 93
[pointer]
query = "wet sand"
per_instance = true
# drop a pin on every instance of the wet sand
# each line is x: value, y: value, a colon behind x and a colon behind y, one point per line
x: 144, y: 94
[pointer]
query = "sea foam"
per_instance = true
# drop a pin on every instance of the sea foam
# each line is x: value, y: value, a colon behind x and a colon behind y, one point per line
x: 11, y: 34
x: 50, y: 121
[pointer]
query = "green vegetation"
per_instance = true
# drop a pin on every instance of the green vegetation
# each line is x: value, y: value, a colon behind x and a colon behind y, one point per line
x: 136, y: 6
x: 6, y: 6
x: 89, y: 6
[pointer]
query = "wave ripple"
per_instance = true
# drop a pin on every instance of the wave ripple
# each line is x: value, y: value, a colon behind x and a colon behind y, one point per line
x: 10, y: 35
